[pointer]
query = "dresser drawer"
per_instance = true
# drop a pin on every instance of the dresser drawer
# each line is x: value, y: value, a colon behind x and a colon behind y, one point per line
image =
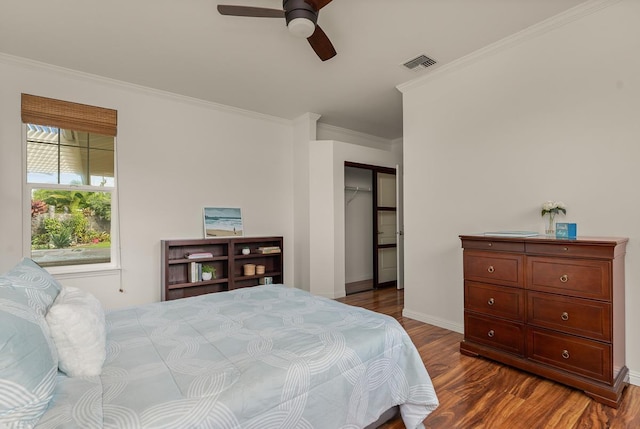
x: 584, y: 357
x: 494, y: 267
x: 499, y: 246
x: 574, y: 277
x: 570, y: 315
x: 497, y: 333
x: 500, y: 301
x: 571, y: 250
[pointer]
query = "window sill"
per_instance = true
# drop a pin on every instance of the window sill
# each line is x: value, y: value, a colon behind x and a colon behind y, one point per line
x: 89, y: 270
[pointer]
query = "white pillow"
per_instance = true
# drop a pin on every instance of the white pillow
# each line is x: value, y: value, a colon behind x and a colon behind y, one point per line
x: 77, y: 325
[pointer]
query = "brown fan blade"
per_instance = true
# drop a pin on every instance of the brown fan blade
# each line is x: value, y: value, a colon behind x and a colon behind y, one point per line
x: 256, y: 12
x: 321, y: 44
x: 318, y: 4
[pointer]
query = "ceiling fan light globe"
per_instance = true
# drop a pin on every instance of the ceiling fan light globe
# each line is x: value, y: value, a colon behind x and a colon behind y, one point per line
x: 301, y: 27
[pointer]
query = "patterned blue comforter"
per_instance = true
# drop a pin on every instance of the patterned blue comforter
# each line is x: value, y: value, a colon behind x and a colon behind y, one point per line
x: 260, y: 357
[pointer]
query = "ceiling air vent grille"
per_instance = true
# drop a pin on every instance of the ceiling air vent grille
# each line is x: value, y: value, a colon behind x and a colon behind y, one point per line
x: 419, y: 62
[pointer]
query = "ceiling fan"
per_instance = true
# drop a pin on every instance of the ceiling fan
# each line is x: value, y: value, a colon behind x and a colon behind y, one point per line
x: 301, y: 17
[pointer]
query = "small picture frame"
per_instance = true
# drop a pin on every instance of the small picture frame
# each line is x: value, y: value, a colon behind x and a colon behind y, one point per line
x: 222, y: 222
x: 566, y: 230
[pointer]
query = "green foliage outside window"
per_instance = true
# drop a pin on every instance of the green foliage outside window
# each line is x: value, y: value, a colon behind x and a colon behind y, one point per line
x: 62, y: 219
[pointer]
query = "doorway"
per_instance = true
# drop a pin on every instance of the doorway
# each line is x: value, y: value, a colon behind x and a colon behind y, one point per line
x: 371, y: 227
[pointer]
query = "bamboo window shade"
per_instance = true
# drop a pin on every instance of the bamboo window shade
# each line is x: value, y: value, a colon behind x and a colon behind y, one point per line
x: 68, y: 115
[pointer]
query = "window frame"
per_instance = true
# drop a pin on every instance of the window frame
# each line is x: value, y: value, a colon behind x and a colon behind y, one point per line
x: 115, y: 225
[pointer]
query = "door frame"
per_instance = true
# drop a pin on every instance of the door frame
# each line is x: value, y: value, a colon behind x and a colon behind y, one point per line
x: 376, y: 169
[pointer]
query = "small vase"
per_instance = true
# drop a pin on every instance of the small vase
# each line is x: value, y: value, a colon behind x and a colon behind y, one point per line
x: 207, y: 276
x: 550, y: 230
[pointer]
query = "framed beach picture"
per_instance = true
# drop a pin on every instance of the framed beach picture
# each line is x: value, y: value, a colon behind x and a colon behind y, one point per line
x: 222, y: 222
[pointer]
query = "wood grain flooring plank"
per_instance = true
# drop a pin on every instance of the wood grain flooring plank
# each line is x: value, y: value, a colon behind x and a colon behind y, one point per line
x: 477, y: 393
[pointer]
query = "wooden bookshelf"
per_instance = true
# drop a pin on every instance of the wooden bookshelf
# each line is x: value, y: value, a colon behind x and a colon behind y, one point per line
x: 226, y: 257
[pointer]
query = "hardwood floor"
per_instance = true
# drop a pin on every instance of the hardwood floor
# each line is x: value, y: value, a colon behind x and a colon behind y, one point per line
x: 479, y: 393
x: 357, y: 287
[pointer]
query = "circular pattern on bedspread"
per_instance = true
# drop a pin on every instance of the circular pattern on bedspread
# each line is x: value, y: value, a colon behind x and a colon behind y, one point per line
x: 28, y: 362
x: 259, y: 358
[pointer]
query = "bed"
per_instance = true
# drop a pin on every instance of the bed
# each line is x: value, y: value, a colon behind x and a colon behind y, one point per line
x: 261, y: 357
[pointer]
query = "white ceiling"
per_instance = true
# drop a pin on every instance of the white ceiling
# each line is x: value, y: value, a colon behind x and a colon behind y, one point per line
x: 186, y: 47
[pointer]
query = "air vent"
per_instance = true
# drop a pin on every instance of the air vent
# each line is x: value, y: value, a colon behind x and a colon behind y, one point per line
x: 420, y: 62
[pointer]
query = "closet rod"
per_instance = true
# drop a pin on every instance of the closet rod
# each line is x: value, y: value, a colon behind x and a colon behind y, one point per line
x: 357, y: 188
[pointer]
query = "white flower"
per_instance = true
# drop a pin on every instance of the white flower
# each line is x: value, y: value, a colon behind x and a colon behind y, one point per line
x: 553, y: 208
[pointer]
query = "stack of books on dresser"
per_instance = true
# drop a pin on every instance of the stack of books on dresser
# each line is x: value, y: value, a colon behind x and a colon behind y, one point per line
x: 269, y: 249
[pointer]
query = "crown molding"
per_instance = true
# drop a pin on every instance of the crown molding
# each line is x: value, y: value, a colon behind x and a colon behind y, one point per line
x: 355, y: 134
x: 101, y: 80
x: 560, y: 20
x: 307, y: 117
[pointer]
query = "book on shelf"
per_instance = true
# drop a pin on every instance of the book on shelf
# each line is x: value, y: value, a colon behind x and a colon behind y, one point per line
x: 269, y: 249
x: 195, y: 272
x: 192, y: 272
x: 199, y: 255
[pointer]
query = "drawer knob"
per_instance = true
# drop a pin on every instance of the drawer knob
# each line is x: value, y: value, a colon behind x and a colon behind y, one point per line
x: 566, y: 249
x: 565, y: 354
x: 491, y: 301
x: 565, y: 316
x: 490, y: 244
x: 564, y: 278
x: 491, y: 269
x: 491, y: 333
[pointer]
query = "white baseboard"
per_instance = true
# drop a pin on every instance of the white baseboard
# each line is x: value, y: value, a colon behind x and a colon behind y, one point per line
x: 634, y: 378
x: 421, y: 317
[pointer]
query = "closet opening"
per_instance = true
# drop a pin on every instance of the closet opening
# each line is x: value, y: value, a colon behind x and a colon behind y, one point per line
x: 371, y: 227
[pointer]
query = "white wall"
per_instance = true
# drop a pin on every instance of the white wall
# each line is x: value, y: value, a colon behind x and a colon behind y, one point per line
x: 322, y: 269
x: 304, y: 131
x: 175, y: 156
x: 553, y: 114
x: 316, y: 194
x: 327, y: 220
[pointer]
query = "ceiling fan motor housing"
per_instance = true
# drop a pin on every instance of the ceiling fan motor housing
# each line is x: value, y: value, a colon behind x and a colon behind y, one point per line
x: 301, y: 17
x: 299, y: 9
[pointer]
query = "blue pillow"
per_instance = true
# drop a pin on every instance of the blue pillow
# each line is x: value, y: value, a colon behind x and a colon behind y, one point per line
x: 36, y: 282
x: 28, y: 358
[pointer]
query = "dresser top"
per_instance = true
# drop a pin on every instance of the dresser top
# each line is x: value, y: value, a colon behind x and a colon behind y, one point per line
x: 589, y: 247
x: 604, y: 241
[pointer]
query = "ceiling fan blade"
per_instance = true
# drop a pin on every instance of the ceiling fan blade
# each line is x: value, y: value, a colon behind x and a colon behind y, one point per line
x: 256, y: 12
x: 318, y: 4
x: 321, y: 44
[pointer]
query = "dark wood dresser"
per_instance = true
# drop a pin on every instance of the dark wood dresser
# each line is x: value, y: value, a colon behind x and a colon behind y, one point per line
x: 553, y: 307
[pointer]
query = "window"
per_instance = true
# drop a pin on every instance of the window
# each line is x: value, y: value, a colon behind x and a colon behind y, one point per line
x: 71, y: 184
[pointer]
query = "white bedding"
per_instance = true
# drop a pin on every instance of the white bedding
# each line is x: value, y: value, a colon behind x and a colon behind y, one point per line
x: 260, y: 357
